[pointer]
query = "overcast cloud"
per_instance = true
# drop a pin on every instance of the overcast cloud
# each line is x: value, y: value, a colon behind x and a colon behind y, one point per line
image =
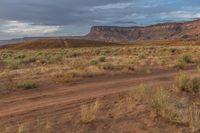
x: 20, y: 18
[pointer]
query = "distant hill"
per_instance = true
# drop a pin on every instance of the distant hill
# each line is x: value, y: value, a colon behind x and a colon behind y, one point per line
x: 19, y: 40
x: 113, y: 35
x: 164, y: 31
x: 56, y: 43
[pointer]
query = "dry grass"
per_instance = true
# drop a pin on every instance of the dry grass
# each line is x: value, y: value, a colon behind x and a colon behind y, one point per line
x: 142, y: 93
x: 193, y: 118
x: 27, y: 85
x: 89, y: 112
x: 66, y: 65
x: 21, y: 128
x: 166, y: 105
x: 159, y: 100
x: 186, y: 83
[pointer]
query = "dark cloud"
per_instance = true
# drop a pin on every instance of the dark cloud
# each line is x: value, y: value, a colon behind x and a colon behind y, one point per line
x: 52, y: 12
x: 76, y: 16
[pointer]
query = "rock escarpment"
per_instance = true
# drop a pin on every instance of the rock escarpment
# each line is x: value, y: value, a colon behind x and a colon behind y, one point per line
x: 164, y: 31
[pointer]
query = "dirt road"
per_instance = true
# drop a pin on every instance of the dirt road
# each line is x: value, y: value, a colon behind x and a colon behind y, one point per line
x: 54, y: 100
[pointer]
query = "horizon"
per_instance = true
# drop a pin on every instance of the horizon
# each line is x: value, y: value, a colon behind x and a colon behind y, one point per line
x: 60, y: 36
x: 42, y: 18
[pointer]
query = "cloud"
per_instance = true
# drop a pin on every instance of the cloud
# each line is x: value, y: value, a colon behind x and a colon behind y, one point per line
x: 17, y: 28
x: 112, y: 6
x: 181, y: 14
x: 74, y: 17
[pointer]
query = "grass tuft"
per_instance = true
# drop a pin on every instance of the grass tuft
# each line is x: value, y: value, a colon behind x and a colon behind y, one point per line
x: 89, y: 112
x: 193, y: 118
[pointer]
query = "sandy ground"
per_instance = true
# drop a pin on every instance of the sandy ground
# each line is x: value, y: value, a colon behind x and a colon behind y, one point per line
x: 58, y: 105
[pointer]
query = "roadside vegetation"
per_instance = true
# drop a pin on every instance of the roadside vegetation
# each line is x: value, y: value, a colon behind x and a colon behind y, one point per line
x: 89, y: 112
x: 66, y: 65
x: 184, y: 82
x: 161, y: 104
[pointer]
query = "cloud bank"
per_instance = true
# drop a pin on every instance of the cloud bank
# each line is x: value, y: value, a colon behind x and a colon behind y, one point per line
x: 21, y: 18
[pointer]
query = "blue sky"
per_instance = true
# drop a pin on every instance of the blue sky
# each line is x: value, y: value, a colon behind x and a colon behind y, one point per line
x: 25, y: 18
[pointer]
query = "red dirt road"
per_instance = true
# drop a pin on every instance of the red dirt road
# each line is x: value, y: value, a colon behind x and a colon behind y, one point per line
x: 67, y: 99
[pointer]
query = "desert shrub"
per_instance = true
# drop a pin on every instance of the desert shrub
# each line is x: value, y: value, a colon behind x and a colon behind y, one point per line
x: 180, y: 65
x: 21, y: 128
x: 193, y: 118
x: 162, y: 103
x: 183, y: 61
x: 182, y: 80
x: 102, y: 58
x: 94, y: 62
x: 173, y: 50
x: 12, y: 64
x: 108, y: 67
x: 198, y: 68
x: 165, y: 105
x: 195, y: 84
x: 10, y: 83
x: 27, y: 85
x: 89, y: 112
x: 186, y: 58
x: 186, y: 83
x: 20, y: 56
x: 142, y: 93
x: 29, y: 60
x: 97, y: 51
x: 141, y: 56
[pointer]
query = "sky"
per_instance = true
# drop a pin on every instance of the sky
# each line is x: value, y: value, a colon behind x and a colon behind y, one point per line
x: 30, y: 18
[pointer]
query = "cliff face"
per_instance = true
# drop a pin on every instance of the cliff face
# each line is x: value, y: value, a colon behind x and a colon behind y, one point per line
x: 164, y: 31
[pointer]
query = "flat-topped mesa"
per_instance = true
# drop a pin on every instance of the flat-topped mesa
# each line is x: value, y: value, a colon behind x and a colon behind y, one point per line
x: 163, y: 31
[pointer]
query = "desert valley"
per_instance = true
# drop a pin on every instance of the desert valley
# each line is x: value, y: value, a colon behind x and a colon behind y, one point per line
x: 113, y: 79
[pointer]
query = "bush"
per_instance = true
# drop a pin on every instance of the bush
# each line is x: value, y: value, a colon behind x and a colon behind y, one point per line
x: 94, y: 62
x: 108, y: 67
x: 198, y: 68
x: 165, y: 106
x: 173, y: 50
x: 186, y: 83
x: 193, y: 118
x: 159, y: 100
x: 186, y: 58
x: 180, y: 65
x: 102, y: 58
x: 183, y: 61
x: 142, y: 93
x: 27, y: 85
x: 12, y: 64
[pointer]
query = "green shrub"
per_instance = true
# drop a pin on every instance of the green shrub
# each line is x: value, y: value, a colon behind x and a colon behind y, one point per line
x: 27, y: 85
x: 180, y: 65
x: 195, y: 84
x: 102, y: 58
x: 28, y: 60
x: 173, y: 50
x: 14, y: 65
x: 186, y: 58
x: 94, y: 62
x: 186, y: 83
x: 108, y: 67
